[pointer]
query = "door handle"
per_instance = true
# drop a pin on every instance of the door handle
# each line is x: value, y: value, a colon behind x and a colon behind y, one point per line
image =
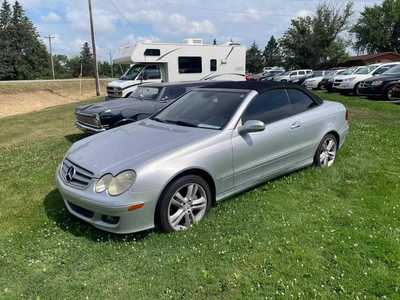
x: 295, y: 125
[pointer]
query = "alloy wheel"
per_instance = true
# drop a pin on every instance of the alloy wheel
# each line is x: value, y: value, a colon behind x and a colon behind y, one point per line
x: 327, y: 155
x: 187, y: 206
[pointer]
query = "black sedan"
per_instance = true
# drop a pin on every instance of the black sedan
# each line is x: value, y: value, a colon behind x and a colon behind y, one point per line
x: 381, y: 86
x: 143, y: 102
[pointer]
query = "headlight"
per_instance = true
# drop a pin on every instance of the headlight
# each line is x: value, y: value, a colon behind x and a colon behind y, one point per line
x: 377, y: 82
x: 349, y: 79
x: 116, y: 185
x: 103, y: 183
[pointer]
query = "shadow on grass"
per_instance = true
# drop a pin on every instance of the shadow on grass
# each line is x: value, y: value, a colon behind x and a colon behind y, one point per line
x: 57, y: 212
x: 72, y: 138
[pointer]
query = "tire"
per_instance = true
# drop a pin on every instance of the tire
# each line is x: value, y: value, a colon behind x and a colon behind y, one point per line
x: 355, y: 90
x: 325, y: 157
x: 174, y: 213
x: 388, y: 93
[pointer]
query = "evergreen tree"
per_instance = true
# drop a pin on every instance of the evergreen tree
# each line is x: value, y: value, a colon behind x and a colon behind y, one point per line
x: 254, y: 59
x: 5, y: 36
x: 24, y: 55
x: 272, y: 53
x: 87, y: 60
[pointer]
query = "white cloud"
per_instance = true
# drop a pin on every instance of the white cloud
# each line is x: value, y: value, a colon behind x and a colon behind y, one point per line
x: 304, y: 13
x: 104, y: 21
x: 51, y: 17
x: 178, y: 24
x: 249, y: 15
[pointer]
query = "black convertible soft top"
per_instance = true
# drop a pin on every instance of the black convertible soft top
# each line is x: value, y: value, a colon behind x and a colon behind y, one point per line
x: 260, y: 87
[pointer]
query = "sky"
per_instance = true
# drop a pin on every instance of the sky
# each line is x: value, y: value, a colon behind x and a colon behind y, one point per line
x: 122, y: 22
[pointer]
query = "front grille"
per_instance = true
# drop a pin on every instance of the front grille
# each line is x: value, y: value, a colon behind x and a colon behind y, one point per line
x: 74, y: 175
x: 88, y: 120
x: 114, y: 92
x: 365, y: 84
x: 81, y: 211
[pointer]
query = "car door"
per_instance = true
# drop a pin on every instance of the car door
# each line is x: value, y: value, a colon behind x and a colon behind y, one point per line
x: 309, y: 122
x: 259, y: 155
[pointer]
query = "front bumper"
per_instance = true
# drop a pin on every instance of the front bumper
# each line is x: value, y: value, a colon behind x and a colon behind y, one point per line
x: 371, y: 91
x: 311, y: 84
x: 108, y: 213
x: 89, y: 129
x: 344, y: 86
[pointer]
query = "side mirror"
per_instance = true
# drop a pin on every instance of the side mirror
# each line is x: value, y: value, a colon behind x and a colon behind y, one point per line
x: 164, y: 99
x: 251, y: 126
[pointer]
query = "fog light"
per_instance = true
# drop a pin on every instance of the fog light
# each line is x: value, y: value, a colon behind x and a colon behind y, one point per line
x: 110, y: 219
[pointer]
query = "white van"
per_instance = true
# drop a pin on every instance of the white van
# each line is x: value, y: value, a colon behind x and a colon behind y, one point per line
x: 293, y: 76
x: 167, y: 62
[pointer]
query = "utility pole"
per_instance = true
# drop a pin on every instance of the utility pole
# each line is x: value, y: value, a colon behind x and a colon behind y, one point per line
x: 112, y: 65
x: 96, y: 69
x: 51, y: 54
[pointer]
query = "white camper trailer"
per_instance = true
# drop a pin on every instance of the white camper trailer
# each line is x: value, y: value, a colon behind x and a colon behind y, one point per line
x: 188, y: 61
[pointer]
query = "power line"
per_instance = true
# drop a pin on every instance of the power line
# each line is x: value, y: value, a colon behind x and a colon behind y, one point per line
x: 50, y: 37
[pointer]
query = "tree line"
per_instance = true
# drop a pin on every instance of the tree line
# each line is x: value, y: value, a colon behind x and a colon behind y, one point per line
x: 317, y: 41
x: 321, y: 40
x: 23, y: 55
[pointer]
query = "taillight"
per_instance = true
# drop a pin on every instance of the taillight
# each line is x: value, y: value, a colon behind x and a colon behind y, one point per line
x: 347, y: 116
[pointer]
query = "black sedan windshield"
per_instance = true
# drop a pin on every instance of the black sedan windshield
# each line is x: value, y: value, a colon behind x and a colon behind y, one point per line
x: 393, y: 71
x: 204, y: 109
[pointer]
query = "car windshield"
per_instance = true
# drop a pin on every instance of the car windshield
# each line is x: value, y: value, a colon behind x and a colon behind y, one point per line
x: 382, y: 70
x: 132, y: 73
x: 393, y: 71
x: 203, y: 109
x: 362, y: 71
x: 346, y: 72
x: 146, y: 93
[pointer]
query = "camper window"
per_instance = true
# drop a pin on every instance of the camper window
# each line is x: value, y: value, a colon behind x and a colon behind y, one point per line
x: 213, y: 65
x: 152, y: 52
x: 189, y: 64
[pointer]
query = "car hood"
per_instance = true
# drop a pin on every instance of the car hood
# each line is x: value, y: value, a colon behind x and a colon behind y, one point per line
x: 130, y: 146
x: 123, y: 83
x: 355, y: 76
x: 115, y: 106
x: 314, y: 78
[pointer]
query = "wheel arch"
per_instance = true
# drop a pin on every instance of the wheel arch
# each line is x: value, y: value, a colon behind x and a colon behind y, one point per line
x: 194, y: 171
x: 335, y: 134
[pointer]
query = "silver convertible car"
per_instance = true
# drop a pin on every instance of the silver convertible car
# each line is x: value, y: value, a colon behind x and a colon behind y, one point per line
x: 168, y: 170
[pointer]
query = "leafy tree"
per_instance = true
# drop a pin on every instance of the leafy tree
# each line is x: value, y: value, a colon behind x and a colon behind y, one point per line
x: 272, y: 53
x: 61, y: 66
x: 254, y: 59
x: 310, y: 41
x: 378, y: 28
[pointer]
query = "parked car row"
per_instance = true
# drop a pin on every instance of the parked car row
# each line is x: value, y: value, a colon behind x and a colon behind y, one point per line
x: 203, y: 142
x: 376, y: 81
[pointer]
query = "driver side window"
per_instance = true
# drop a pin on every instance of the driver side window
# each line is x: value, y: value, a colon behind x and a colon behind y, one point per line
x: 269, y: 107
x: 152, y: 72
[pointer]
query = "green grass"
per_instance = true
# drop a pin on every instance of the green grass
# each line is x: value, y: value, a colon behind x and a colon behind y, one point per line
x: 315, y: 233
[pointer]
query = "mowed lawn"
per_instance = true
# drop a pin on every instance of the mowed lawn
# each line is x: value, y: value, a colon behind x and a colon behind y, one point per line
x: 311, y: 234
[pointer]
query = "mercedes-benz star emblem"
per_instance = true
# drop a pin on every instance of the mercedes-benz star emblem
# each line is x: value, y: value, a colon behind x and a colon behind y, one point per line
x: 70, y: 174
